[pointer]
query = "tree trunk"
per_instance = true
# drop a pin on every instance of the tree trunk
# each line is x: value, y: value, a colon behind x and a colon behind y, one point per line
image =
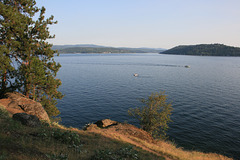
x: 34, y: 92
x: 3, y: 85
x: 4, y: 79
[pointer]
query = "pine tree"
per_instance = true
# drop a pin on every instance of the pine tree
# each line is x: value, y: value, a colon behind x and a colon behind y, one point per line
x: 24, y: 41
x: 10, y: 26
x: 6, y: 70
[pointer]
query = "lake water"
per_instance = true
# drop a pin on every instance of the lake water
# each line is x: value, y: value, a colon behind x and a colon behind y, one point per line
x: 205, y: 97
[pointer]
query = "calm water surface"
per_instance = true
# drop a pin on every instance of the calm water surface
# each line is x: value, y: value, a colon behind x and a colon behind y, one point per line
x: 205, y: 97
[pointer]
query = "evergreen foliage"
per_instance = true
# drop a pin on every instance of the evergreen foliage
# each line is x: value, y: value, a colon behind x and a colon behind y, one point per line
x: 154, y: 116
x: 204, y: 50
x: 27, y: 60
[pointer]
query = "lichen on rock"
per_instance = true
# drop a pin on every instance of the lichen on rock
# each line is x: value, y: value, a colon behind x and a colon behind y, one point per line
x: 18, y: 103
x: 27, y: 119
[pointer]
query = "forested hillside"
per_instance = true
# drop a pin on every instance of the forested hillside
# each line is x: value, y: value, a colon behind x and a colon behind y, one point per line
x: 107, y: 50
x: 204, y: 50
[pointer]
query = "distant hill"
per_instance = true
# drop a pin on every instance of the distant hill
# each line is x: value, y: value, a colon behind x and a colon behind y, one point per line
x: 59, y: 47
x: 90, y: 48
x: 204, y: 50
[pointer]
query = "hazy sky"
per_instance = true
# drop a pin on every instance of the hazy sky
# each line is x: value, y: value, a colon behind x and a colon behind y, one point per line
x: 144, y: 23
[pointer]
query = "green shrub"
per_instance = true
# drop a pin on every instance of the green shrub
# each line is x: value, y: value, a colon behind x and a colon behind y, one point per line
x: 154, y: 116
x: 121, y: 154
x: 60, y: 156
x: 3, y: 112
x: 66, y: 137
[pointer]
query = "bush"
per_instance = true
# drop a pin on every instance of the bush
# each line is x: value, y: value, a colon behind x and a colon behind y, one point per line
x: 3, y: 112
x: 123, y: 153
x: 154, y: 116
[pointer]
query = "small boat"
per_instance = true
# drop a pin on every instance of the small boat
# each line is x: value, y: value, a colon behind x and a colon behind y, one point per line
x: 135, y: 75
x: 187, y: 66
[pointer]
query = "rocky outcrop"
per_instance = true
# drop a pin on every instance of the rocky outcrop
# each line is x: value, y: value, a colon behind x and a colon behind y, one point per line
x: 109, y: 127
x: 105, y: 123
x: 27, y: 119
x: 18, y: 103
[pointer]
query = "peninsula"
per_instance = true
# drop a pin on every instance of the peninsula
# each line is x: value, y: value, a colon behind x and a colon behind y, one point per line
x: 204, y: 50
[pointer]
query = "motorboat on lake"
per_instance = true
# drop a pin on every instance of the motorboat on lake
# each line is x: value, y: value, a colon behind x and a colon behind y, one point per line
x: 135, y: 75
x: 187, y: 66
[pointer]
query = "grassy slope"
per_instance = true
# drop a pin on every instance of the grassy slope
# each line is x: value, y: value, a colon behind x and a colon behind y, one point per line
x: 158, y: 147
x: 57, y: 142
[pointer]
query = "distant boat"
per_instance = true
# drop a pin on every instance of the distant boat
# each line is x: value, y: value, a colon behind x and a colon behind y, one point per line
x: 135, y: 75
x: 187, y: 66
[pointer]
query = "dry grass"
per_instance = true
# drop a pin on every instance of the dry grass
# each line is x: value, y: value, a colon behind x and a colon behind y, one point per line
x: 171, y: 151
x: 18, y: 142
x: 160, y: 148
x: 58, y: 142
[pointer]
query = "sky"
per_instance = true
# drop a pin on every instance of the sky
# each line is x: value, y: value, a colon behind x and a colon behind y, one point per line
x: 144, y: 23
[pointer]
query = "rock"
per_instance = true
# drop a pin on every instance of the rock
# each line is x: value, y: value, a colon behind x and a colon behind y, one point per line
x: 27, y: 119
x: 90, y: 127
x: 105, y: 123
x: 18, y: 103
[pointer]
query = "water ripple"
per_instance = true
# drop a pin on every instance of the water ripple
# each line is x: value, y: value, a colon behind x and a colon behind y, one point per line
x: 205, y: 97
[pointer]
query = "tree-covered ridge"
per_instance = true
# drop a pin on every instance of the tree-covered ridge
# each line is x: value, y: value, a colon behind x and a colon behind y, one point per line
x: 204, y: 50
x: 106, y: 50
